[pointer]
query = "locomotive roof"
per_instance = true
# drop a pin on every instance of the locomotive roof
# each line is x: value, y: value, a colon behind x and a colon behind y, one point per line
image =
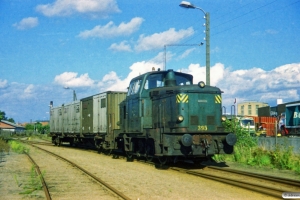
x: 189, y: 76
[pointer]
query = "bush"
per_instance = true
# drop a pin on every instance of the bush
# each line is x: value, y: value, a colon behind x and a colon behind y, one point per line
x: 4, y: 146
x: 247, y: 151
x: 18, y: 147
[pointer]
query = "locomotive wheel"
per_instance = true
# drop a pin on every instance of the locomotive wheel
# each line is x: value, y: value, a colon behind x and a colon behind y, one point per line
x: 149, y: 150
x: 162, y: 160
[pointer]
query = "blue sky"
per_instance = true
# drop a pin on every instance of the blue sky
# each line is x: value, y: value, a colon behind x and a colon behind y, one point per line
x: 93, y: 46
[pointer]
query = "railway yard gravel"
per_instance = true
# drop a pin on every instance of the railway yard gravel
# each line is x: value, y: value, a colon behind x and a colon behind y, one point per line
x: 135, y: 179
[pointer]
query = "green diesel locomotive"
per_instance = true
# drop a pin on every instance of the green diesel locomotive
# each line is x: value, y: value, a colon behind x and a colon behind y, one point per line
x: 163, y: 115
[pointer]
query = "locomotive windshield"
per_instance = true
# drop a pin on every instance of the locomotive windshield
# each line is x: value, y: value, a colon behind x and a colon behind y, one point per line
x: 134, y: 87
x: 158, y: 80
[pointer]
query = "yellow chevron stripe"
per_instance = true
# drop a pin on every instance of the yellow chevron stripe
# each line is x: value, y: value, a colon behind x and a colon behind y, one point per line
x: 182, y: 98
x: 218, y: 99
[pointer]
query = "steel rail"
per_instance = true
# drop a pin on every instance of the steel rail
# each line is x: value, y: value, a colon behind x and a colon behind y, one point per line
x: 120, y: 194
x: 242, y: 184
x: 290, y: 182
x: 45, y: 187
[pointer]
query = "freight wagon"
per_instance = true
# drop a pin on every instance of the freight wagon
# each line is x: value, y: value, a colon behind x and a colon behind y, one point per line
x: 86, y: 121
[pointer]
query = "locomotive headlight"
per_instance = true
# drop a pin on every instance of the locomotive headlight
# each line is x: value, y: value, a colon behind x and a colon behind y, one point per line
x: 223, y: 118
x: 201, y: 84
x: 180, y: 118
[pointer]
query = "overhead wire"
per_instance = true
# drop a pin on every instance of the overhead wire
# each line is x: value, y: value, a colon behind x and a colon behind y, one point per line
x: 273, y: 11
x: 244, y: 14
x: 240, y: 16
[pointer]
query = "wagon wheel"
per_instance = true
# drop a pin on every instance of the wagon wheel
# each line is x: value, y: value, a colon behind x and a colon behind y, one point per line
x: 71, y: 142
x: 107, y: 151
x: 99, y: 147
x: 57, y: 141
x: 162, y: 160
x: 129, y: 156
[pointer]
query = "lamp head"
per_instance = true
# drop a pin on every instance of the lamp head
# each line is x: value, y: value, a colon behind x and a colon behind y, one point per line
x: 186, y: 4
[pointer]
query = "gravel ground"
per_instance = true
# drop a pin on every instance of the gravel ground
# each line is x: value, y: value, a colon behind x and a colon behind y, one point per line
x: 136, y: 180
x: 15, y: 177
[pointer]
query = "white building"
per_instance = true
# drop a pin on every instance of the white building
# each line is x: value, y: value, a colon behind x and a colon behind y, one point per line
x: 250, y: 108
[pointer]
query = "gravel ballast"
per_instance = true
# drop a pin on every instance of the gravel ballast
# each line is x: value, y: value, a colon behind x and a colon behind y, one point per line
x: 136, y: 180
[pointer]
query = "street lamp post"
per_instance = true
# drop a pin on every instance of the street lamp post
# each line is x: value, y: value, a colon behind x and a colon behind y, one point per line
x: 186, y: 4
x: 74, y: 93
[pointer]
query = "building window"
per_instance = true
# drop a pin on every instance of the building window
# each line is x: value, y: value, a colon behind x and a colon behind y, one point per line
x: 242, y: 110
x: 249, y: 110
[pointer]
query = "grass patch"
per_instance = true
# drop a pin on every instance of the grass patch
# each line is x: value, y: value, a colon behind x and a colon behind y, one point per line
x: 18, y: 147
x: 34, y: 183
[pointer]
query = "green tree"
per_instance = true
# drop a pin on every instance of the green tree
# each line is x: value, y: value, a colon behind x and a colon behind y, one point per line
x: 2, y: 115
x: 46, y: 129
x: 11, y: 120
x: 29, y: 126
x: 38, y: 127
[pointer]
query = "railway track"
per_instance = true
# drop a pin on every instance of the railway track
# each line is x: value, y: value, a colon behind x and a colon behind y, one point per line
x: 271, y: 186
x: 264, y: 184
x: 38, y: 171
x: 60, y: 180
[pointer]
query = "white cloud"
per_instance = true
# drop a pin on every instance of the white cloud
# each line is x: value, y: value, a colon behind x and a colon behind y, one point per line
x: 3, y: 83
x: 29, y: 89
x: 112, y: 82
x: 253, y: 84
x: 111, y: 30
x: 29, y: 92
x: 186, y: 53
x: 158, y: 40
x: 69, y: 7
x: 216, y: 73
x: 123, y: 46
x: 27, y: 23
x: 70, y: 79
x: 265, y: 32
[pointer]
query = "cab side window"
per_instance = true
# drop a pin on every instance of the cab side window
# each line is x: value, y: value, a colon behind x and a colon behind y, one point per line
x: 134, y: 87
